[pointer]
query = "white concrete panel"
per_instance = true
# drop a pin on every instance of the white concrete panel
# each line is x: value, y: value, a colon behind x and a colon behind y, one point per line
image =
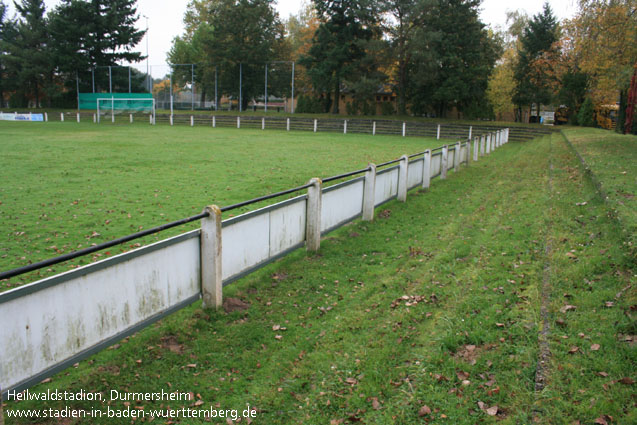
x: 342, y: 204
x: 414, y: 174
x: 386, y: 186
x: 287, y: 226
x: 435, y: 165
x: 245, y: 243
x: 451, y: 159
x: 48, y: 326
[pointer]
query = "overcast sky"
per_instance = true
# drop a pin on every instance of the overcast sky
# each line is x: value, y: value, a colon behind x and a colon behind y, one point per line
x: 165, y: 20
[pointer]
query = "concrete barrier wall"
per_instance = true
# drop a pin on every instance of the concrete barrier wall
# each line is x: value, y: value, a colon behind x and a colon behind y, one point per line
x: 51, y: 324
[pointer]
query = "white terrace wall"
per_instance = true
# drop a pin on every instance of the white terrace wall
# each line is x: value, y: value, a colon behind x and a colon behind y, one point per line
x: 51, y: 324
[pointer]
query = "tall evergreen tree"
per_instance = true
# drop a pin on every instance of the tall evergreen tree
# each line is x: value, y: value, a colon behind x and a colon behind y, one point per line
x: 4, y: 33
x: 539, y: 36
x: 453, y: 59
x: 28, y: 60
x: 338, y: 44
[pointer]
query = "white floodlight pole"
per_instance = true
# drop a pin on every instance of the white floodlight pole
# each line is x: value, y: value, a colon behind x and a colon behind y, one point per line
x: 77, y: 87
x: 216, y: 98
x: 171, y: 92
x: 293, y: 87
x: 150, y: 90
x: 110, y: 80
x: 266, y: 87
x: 240, y: 93
x: 192, y: 86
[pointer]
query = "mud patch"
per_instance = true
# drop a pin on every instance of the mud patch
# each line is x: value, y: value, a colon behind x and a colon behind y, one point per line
x: 171, y: 344
x: 471, y: 353
x: 234, y: 304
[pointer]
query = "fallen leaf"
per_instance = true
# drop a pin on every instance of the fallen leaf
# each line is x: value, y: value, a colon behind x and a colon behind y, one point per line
x: 604, y: 374
x: 595, y: 347
x: 567, y: 307
x: 191, y: 365
x: 571, y: 255
x: 626, y: 381
x: 500, y: 325
x: 375, y: 403
x: 276, y: 327
x: 424, y: 410
x: 462, y: 375
x: 492, y: 411
x: 351, y: 381
x: 573, y: 350
x: 604, y: 420
x: 279, y: 337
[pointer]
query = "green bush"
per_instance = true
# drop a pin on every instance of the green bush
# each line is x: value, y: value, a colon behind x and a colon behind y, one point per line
x: 586, y: 115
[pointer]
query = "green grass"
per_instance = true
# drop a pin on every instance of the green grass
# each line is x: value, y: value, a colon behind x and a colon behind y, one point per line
x: 612, y: 158
x: 473, y: 249
x: 68, y: 185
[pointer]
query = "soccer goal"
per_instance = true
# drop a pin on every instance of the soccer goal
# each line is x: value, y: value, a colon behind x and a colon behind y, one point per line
x: 118, y: 105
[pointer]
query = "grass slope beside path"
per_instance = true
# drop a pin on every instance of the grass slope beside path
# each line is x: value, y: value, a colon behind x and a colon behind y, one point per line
x: 612, y: 159
x: 430, y: 314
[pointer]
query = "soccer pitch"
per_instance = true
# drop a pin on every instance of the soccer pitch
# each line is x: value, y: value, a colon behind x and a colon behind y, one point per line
x: 67, y: 185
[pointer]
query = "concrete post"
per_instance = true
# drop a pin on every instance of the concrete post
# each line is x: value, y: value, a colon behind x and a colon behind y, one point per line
x: 112, y: 118
x: 438, y: 133
x: 78, y: 117
x: 94, y: 118
x: 426, y: 170
x: 456, y: 158
x: 404, y: 128
x: 467, y: 151
x: 130, y: 118
x: 315, y: 124
x: 475, y: 148
x: 313, y: 216
x: 344, y: 126
x: 369, y: 192
x: 238, y: 122
x: 470, y: 131
x: 402, y: 178
x: 287, y: 124
x: 443, y: 162
x: 488, y: 148
x: 214, y: 121
x: 192, y: 121
x: 150, y: 119
x: 492, y: 142
x: 374, y: 128
x: 62, y: 116
x: 263, y: 123
x: 211, y: 277
x: 46, y: 117
x: 171, y: 119
x: 483, y: 140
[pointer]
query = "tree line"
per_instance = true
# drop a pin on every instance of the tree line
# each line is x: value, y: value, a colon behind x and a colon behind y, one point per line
x: 418, y: 57
x: 42, y: 53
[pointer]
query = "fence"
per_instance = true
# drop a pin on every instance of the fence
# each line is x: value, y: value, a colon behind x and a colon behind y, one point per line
x: 59, y: 320
x: 352, y: 125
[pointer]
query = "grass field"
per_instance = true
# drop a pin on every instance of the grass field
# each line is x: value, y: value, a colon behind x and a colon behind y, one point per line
x: 437, y: 312
x: 66, y: 186
x: 612, y: 158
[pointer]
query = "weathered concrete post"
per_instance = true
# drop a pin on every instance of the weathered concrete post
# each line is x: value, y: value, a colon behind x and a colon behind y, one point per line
x: 344, y: 126
x: 488, y: 150
x: 150, y: 119
x: 313, y: 216
x: 470, y: 131
x: 374, y: 128
x: 62, y: 116
x: 315, y: 124
x: 214, y: 121
x: 171, y: 119
x: 287, y: 124
x: 369, y: 192
x: 467, y: 151
x: 263, y: 123
x: 130, y: 116
x: 456, y: 158
x: 192, y: 121
x: 483, y: 140
x: 404, y: 128
x: 402, y: 178
x: 443, y: 162
x: 94, y: 118
x: 438, y: 133
x: 211, y: 277
x: 492, y: 142
x: 475, y: 149
x: 426, y: 170
x: 238, y: 122
x: 46, y: 117
x: 78, y: 117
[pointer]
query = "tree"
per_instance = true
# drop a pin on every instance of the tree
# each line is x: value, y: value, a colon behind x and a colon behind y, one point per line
x: 5, y: 34
x: 605, y: 39
x: 586, y: 114
x: 404, y: 19
x: 338, y: 44
x: 454, y: 56
x: 28, y: 61
x: 235, y: 37
x: 532, y: 82
x: 501, y: 85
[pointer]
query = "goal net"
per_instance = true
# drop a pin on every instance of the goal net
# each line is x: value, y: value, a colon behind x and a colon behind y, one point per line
x: 117, y: 105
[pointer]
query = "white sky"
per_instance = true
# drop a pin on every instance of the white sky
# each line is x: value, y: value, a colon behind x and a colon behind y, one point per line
x: 165, y: 20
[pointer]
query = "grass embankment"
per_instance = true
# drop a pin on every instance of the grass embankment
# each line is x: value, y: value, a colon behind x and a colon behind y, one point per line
x: 612, y: 158
x: 428, y: 314
x: 68, y: 185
